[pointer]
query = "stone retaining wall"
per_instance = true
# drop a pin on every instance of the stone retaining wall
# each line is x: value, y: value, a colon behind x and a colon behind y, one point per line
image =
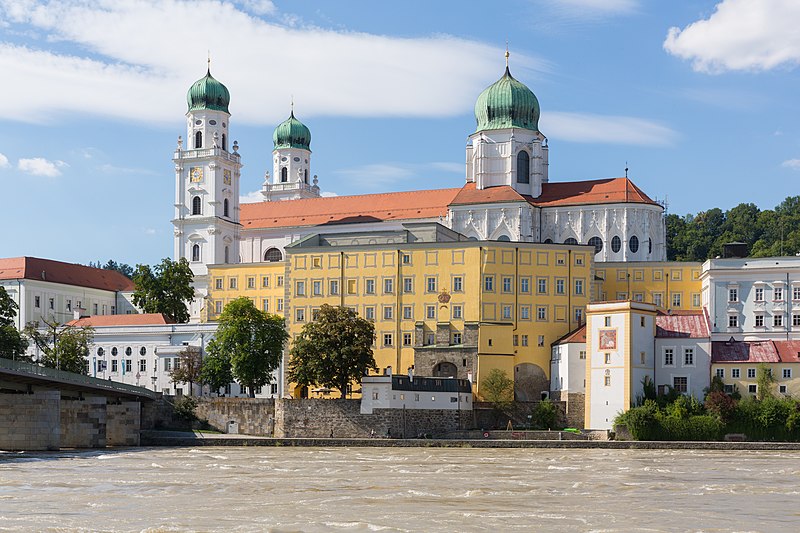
x: 30, y: 421
x: 83, y: 423
x: 251, y: 416
x: 123, y: 422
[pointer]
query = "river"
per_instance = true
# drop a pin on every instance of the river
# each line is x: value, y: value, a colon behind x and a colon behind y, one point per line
x: 399, y: 489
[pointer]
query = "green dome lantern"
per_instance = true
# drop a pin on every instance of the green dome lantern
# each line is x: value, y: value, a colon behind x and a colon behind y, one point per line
x: 507, y: 103
x: 291, y: 133
x: 208, y: 93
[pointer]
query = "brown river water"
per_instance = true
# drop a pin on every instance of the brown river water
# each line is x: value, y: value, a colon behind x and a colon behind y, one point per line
x: 399, y: 489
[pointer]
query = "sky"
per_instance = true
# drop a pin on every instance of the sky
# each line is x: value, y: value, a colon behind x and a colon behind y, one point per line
x: 698, y: 98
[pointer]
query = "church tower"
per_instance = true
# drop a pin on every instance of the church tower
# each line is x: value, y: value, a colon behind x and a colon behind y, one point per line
x: 207, y: 171
x: 291, y: 163
x: 507, y: 147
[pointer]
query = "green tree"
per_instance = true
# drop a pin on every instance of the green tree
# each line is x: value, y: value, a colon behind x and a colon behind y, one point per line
x: 216, y: 371
x: 498, y: 389
x: 62, y: 347
x: 12, y: 343
x: 123, y: 268
x: 187, y: 370
x: 334, y: 350
x: 764, y: 381
x: 251, y: 340
x: 164, y: 288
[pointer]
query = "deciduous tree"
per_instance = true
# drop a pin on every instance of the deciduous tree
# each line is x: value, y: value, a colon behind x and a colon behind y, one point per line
x: 251, y: 340
x: 498, y: 389
x: 334, y: 350
x: 12, y: 343
x: 62, y: 347
x: 216, y: 371
x: 189, y: 367
x: 164, y: 288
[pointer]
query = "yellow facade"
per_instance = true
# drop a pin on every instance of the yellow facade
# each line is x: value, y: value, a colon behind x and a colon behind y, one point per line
x: 743, y: 376
x: 474, y: 305
x: 669, y: 285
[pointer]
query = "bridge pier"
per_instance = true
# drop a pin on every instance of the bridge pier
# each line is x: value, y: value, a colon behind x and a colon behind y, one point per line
x: 30, y: 421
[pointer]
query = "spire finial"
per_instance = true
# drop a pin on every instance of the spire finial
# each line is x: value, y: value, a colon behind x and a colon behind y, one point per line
x: 209, y: 61
x: 291, y: 105
x: 626, y: 169
x: 507, y: 54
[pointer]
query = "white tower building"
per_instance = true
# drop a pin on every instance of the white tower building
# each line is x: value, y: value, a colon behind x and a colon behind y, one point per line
x: 206, y: 187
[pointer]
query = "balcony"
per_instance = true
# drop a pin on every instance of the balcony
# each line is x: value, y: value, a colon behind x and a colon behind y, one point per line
x: 181, y: 155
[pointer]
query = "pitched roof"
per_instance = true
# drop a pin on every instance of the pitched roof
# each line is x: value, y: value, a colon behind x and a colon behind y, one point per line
x: 605, y: 191
x: 470, y: 194
x: 34, y: 268
x: 576, y: 335
x: 689, y: 325
x: 145, y: 319
x: 348, y: 209
x: 744, y: 352
x: 788, y: 351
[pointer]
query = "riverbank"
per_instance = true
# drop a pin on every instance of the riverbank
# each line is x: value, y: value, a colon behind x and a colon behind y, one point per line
x: 183, y: 439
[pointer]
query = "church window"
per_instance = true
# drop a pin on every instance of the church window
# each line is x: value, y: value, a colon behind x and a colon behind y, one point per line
x: 597, y: 242
x: 571, y: 240
x: 284, y: 174
x: 523, y: 167
x: 616, y: 244
x: 548, y: 241
x: 198, y: 139
x: 504, y: 238
x: 196, y: 206
x: 224, y: 142
x: 196, y: 252
x: 633, y: 244
x: 272, y: 255
x: 649, y: 246
x: 305, y: 176
x: 227, y: 254
x: 225, y: 204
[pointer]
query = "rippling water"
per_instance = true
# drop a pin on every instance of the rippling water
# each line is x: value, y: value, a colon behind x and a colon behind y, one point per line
x: 399, y: 489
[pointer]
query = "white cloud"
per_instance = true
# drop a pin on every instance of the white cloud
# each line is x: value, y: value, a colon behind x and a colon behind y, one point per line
x: 150, y: 231
x: 3, y: 161
x: 142, y: 75
x: 39, y: 166
x: 251, y: 198
x: 607, y: 129
x: 740, y: 35
x: 794, y: 164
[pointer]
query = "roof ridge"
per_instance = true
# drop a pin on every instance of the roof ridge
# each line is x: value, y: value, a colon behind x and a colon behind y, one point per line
x: 392, y: 193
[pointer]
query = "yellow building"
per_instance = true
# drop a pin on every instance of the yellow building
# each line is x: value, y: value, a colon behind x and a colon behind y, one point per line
x: 737, y: 362
x: 442, y: 305
x: 669, y: 285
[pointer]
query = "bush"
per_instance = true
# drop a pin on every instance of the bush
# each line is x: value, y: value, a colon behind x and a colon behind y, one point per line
x: 720, y: 405
x: 544, y: 415
x: 641, y: 421
x: 184, y: 408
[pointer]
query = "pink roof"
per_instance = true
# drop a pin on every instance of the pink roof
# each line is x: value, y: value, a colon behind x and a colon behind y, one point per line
x: 146, y: 319
x: 744, y: 352
x: 606, y: 191
x: 788, y: 351
x: 691, y: 325
x: 34, y: 268
x: 577, y: 335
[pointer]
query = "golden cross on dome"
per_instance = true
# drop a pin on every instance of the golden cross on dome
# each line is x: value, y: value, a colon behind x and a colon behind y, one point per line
x: 507, y: 54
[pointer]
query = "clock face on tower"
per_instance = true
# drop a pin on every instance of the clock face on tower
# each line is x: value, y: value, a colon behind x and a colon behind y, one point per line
x: 226, y: 177
x: 196, y: 174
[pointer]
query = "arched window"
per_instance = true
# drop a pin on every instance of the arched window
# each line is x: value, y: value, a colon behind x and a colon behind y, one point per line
x: 523, y: 167
x: 227, y: 254
x: 633, y: 244
x: 571, y: 240
x: 142, y: 351
x: 284, y: 175
x: 548, y: 241
x: 650, y: 246
x: 305, y: 176
x: 224, y: 142
x: 101, y: 352
x: 196, y: 252
x: 597, y: 242
x: 616, y: 244
x: 272, y: 255
x: 225, y: 207
x: 196, y: 205
x: 198, y: 139
x: 504, y: 238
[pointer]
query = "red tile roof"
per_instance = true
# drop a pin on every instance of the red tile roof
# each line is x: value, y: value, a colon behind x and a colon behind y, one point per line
x: 469, y: 194
x: 576, y: 335
x: 688, y: 325
x: 146, y: 319
x: 744, y: 352
x: 788, y: 351
x: 606, y: 191
x: 348, y: 209
x: 34, y: 268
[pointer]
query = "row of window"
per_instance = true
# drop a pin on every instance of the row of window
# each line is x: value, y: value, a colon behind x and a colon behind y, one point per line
x: 51, y: 304
x: 127, y: 365
x: 658, y: 274
x: 676, y: 298
x: 388, y: 313
x: 669, y: 357
x: 751, y: 373
x: 233, y: 282
x: 114, y: 351
x: 616, y: 244
x: 758, y: 294
x: 429, y: 339
x: 197, y: 254
x: 197, y: 206
x: 759, y: 320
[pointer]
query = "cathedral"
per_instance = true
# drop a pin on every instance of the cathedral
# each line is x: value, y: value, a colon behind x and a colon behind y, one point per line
x: 507, y: 194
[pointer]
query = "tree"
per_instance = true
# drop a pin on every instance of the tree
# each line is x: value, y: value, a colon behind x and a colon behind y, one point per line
x: 251, y: 340
x: 764, y: 381
x: 12, y: 343
x: 216, y: 371
x: 498, y: 389
x: 164, y: 288
x: 334, y: 350
x: 123, y: 268
x: 62, y: 347
x: 188, y: 368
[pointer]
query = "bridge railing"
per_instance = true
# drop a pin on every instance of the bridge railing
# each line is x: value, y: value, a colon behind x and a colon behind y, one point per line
x: 70, y: 377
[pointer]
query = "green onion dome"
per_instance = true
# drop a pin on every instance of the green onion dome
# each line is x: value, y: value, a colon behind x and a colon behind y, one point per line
x: 208, y: 93
x: 291, y: 133
x: 507, y: 103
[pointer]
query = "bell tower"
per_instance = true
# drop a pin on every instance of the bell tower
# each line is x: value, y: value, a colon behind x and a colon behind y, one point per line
x: 207, y: 171
x: 291, y: 163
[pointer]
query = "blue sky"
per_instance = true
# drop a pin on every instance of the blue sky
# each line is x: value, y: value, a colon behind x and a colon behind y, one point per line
x: 698, y: 96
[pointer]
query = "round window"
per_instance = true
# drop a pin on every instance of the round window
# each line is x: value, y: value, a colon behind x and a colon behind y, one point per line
x: 142, y: 351
x: 633, y: 244
x: 306, y: 161
x: 616, y: 244
x: 283, y: 158
x: 114, y: 351
x: 223, y: 124
x: 198, y: 122
x: 296, y: 159
x: 100, y: 352
x: 212, y: 122
x: 128, y: 350
x: 597, y: 242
